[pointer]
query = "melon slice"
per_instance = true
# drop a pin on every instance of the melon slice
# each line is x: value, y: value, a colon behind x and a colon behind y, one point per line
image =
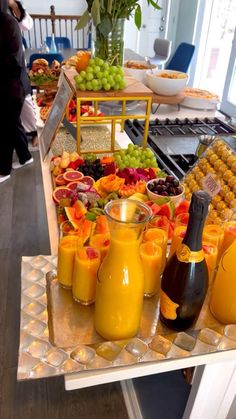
x: 80, y: 209
x: 86, y: 230
x: 182, y: 207
x: 167, y: 209
x: 101, y: 225
x: 70, y: 214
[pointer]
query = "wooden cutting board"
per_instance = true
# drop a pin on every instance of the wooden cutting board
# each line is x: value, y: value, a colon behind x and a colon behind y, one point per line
x: 168, y: 100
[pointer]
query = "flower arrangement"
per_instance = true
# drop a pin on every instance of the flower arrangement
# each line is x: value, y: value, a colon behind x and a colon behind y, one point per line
x: 105, y: 15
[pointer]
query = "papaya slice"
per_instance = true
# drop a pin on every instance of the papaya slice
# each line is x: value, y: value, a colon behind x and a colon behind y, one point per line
x: 101, y: 225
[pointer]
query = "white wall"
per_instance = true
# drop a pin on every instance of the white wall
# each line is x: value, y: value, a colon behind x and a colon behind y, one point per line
x: 186, y: 21
x: 73, y: 7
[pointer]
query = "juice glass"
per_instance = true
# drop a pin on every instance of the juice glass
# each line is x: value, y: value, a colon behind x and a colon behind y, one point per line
x: 229, y: 235
x: 66, y: 254
x: 160, y: 238
x: 120, y: 283
x: 211, y: 254
x: 87, y: 262
x: 151, y: 256
x: 213, y: 233
x: 101, y: 241
x: 180, y: 228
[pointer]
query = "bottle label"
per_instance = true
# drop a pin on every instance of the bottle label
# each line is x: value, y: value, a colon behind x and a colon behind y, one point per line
x: 167, y: 306
x: 184, y: 254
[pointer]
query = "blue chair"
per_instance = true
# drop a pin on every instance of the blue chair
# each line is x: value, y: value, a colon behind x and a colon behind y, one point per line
x: 24, y: 42
x: 59, y: 40
x: 181, y: 58
x: 49, y: 57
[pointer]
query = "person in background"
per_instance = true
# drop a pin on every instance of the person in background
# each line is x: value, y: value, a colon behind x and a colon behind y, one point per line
x: 12, y: 94
x: 28, y: 117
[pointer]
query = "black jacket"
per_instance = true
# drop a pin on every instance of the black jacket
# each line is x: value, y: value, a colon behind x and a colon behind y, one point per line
x: 12, y: 63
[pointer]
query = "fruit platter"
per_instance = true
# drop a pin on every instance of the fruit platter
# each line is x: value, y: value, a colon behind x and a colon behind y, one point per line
x: 84, y: 184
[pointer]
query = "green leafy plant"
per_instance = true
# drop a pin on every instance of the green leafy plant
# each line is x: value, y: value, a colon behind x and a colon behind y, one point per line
x: 104, y: 13
x: 106, y: 16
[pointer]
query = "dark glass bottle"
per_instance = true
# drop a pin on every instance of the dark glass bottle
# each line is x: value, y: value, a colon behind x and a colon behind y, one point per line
x: 185, y: 278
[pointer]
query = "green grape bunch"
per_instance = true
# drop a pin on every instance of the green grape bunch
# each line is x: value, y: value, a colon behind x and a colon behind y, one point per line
x: 99, y: 75
x: 135, y: 157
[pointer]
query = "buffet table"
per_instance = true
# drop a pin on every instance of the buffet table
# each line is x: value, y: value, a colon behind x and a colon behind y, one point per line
x: 214, y: 383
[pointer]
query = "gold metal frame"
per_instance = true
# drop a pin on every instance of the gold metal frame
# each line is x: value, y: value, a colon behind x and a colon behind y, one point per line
x: 111, y: 119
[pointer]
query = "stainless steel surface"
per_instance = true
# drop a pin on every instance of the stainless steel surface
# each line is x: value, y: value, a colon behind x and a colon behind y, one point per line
x: 38, y: 357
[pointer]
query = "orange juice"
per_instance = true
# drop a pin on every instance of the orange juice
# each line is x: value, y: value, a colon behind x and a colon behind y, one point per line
x: 223, y: 297
x: 214, y: 234
x: 151, y: 256
x: 211, y: 253
x: 101, y: 242
x: 229, y: 235
x: 177, y: 238
x: 159, y: 237
x: 119, y: 293
x: 66, y: 254
x: 87, y: 262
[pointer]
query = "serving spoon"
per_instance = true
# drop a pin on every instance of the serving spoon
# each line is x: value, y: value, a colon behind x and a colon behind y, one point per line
x: 149, y: 63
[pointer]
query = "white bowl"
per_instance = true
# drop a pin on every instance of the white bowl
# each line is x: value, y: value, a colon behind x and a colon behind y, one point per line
x: 138, y: 73
x: 156, y: 198
x: 166, y: 86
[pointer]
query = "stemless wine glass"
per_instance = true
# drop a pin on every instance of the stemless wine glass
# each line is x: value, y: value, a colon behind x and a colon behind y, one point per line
x: 214, y: 233
x: 101, y: 242
x: 66, y: 253
x: 87, y: 262
x: 60, y: 47
x: 151, y: 256
x: 211, y: 255
x: 157, y: 231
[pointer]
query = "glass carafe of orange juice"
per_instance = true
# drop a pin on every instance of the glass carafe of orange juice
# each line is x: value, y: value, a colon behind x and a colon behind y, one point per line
x: 120, y: 283
x: 223, y: 297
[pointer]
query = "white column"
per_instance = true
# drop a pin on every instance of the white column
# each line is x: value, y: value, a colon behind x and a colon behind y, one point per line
x: 213, y: 391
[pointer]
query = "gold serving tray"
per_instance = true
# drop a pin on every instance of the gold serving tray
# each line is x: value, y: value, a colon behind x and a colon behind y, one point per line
x: 57, y: 335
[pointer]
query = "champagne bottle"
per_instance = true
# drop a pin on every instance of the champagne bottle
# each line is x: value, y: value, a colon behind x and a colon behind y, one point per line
x: 185, y: 279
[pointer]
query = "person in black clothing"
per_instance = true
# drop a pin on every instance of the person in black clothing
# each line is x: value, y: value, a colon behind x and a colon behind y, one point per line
x: 28, y: 115
x: 12, y: 94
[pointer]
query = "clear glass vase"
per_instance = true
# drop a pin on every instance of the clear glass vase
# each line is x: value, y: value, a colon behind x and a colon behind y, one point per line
x: 109, y: 47
x: 120, y: 280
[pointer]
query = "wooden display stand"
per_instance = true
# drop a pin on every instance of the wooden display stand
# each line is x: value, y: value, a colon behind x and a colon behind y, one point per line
x: 134, y: 90
x: 167, y: 100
